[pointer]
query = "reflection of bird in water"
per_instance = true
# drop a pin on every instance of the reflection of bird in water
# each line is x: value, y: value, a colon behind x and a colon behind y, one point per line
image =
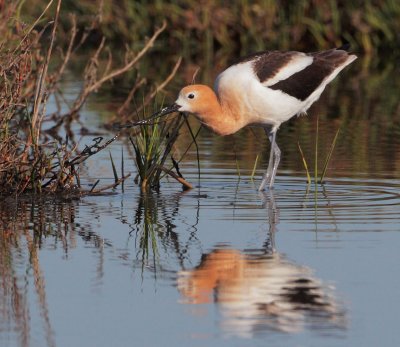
x: 265, y: 89
x: 257, y: 293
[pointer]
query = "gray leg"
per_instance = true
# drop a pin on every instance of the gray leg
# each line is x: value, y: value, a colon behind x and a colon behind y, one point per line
x: 277, y: 159
x: 274, y: 158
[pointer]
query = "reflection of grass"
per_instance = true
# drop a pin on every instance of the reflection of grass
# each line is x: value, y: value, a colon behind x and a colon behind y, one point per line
x: 26, y: 228
x: 155, y: 231
x: 149, y: 232
x: 148, y: 236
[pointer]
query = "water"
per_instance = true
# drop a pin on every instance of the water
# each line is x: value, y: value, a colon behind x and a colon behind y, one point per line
x: 222, y: 264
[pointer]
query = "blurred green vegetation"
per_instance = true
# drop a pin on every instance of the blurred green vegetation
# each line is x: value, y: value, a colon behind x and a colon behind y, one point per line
x: 242, y: 26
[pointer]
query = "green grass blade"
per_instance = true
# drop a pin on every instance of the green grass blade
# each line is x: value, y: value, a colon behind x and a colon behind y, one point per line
x: 195, y: 143
x: 138, y: 159
x: 114, y: 169
x: 305, y: 164
x: 122, y: 162
x: 328, y: 158
x: 316, y: 155
x: 254, y: 167
x: 236, y: 159
x: 94, y: 186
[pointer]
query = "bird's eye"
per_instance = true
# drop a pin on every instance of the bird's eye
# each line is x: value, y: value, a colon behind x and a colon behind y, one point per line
x: 191, y: 96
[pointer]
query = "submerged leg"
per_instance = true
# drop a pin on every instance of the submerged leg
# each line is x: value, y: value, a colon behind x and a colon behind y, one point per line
x: 274, y: 158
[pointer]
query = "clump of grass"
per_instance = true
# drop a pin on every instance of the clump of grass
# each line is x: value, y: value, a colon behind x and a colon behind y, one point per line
x: 153, y: 145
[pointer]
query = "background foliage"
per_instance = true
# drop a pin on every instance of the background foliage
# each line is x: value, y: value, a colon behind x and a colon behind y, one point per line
x: 242, y: 25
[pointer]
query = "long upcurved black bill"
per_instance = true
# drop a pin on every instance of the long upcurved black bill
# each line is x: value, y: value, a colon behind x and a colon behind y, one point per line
x: 166, y: 110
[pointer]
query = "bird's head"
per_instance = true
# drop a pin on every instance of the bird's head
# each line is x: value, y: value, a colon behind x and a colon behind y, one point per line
x: 196, y: 99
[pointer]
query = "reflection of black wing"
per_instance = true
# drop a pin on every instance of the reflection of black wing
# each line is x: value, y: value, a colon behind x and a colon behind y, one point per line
x: 305, y: 294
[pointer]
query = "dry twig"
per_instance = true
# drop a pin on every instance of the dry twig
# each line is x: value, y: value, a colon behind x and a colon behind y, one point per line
x: 37, y: 116
x: 92, y: 83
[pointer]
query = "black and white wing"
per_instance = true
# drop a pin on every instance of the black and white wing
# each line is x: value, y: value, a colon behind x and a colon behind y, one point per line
x: 298, y: 74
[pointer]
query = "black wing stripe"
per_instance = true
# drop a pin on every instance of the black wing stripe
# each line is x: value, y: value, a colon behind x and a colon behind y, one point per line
x: 303, y: 83
x: 267, y: 64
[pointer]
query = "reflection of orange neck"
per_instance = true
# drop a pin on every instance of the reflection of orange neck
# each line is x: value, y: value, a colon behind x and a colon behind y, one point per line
x: 220, y: 268
x: 259, y: 288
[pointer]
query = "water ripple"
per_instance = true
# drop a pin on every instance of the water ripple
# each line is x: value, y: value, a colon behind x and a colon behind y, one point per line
x: 342, y: 201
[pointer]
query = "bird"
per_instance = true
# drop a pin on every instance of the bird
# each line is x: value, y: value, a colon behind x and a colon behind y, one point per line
x: 262, y: 89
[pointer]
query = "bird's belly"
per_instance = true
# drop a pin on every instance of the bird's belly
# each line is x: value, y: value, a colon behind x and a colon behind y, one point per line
x: 272, y: 107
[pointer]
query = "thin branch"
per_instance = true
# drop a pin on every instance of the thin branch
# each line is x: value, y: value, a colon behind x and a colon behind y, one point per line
x: 128, y: 66
x: 32, y: 26
x: 129, y: 98
x: 161, y: 86
x: 92, y: 84
x: 42, y: 77
x: 56, y: 77
x: 91, y: 150
x: 181, y: 180
x: 111, y: 186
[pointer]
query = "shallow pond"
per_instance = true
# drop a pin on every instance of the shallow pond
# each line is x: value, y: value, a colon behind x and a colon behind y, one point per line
x: 222, y: 264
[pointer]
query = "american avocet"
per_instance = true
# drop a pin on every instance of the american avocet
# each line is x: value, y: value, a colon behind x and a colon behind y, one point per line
x: 264, y: 89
